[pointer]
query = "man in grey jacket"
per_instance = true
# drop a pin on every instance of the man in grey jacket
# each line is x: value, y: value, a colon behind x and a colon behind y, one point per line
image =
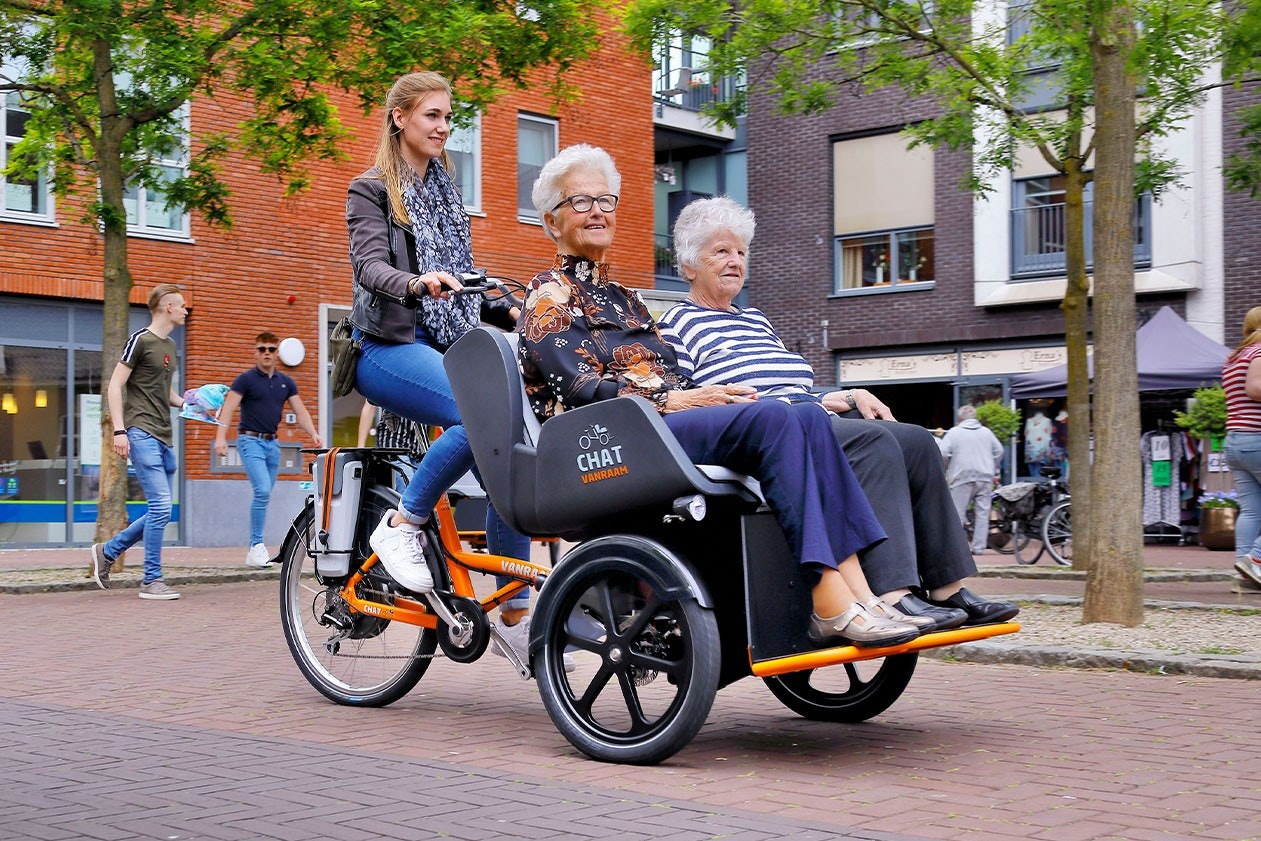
x: 972, y: 455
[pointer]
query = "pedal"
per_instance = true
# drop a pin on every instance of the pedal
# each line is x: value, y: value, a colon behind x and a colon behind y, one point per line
x: 509, y: 654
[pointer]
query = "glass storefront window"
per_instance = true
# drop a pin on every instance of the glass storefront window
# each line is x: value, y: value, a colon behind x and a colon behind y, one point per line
x: 33, y: 397
x: 50, y: 436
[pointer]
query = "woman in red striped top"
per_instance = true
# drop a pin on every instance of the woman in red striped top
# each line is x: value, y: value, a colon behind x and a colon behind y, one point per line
x: 1241, y: 379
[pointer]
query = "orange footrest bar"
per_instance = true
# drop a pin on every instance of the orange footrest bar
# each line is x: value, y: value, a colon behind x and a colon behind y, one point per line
x: 850, y: 653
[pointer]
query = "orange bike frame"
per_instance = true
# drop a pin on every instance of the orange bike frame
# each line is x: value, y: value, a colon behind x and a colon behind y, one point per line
x: 459, y: 563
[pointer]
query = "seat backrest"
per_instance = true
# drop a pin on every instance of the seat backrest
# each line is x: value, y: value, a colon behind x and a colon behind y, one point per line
x: 482, y: 368
x: 584, y: 467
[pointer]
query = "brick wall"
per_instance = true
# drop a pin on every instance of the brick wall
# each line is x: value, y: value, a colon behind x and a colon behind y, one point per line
x: 1242, y: 241
x: 240, y: 280
x: 790, y: 189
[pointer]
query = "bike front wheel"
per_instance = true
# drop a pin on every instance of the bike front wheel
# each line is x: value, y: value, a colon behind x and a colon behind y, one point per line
x: 1057, y: 533
x: 349, y: 657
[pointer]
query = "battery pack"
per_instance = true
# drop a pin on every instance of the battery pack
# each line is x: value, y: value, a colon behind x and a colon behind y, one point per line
x: 338, y: 486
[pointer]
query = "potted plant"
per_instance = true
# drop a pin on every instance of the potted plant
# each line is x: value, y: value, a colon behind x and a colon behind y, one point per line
x: 1206, y: 417
x: 1218, y: 510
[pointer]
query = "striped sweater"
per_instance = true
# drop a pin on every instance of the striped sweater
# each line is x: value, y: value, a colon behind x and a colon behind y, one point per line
x: 1243, y: 413
x: 735, y: 348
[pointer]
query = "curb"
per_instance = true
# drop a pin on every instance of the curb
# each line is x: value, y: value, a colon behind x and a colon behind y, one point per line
x: 133, y: 582
x: 1151, y: 662
x: 1159, y: 576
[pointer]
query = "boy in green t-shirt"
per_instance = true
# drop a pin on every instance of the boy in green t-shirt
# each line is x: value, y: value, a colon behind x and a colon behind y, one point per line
x: 142, y: 383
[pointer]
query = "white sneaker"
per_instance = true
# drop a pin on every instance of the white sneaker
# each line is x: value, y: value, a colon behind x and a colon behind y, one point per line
x: 518, y: 636
x: 258, y: 557
x: 401, y: 550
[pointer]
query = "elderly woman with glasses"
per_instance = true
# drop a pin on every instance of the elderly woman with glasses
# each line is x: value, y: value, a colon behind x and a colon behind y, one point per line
x: 921, y: 568
x: 585, y: 337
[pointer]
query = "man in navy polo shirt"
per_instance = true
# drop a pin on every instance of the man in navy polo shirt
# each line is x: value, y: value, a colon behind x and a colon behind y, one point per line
x: 261, y: 392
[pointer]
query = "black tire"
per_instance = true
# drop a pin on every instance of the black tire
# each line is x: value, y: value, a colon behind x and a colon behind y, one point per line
x: 647, y: 666
x: 1057, y: 533
x: 1007, y: 534
x: 824, y: 695
x: 377, y: 661
x: 1026, y: 542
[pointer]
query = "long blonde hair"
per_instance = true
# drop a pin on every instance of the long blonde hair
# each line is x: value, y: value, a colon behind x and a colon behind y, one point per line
x: 1251, y: 330
x: 406, y: 94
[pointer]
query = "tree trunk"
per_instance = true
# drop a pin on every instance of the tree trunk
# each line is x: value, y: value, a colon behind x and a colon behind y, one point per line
x: 1114, y: 585
x: 1076, y: 315
x: 111, y: 515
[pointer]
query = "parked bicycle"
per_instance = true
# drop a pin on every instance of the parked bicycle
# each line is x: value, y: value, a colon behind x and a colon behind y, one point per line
x: 1035, y: 517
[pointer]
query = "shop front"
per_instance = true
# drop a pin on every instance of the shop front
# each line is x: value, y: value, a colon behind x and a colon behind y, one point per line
x: 50, y: 431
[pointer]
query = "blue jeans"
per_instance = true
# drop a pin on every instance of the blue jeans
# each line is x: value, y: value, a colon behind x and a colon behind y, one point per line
x: 409, y: 381
x: 261, y: 460
x: 154, y: 463
x: 1243, y: 454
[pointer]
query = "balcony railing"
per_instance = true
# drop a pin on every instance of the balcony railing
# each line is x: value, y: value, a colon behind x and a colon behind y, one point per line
x: 663, y: 248
x: 681, y: 80
x: 1038, y: 237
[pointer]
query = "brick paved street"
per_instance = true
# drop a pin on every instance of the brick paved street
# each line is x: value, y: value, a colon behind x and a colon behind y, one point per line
x: 128, y: 719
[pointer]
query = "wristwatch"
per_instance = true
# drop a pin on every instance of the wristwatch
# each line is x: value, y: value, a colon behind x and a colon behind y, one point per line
x: 118, y: 432
x: 849, y: 398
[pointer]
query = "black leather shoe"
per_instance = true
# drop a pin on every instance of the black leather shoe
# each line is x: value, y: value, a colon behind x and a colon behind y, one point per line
x: 980, y: 611
x: 943, y: 618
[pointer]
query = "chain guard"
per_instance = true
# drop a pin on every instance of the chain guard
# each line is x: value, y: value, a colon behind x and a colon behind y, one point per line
x: 471, y: 641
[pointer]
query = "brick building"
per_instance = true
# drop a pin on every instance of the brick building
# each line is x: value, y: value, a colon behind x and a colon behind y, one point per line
x: 282, y: 266
x: 876, y: 265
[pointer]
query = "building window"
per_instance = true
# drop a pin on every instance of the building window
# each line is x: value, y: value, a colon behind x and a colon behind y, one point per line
x: 20, y: 198
x: 536, y: 145
x: 149, y: 212
x: 883, y: 214
x: 465, y: 148
x: 886, y: 259
x: 1038, y: 227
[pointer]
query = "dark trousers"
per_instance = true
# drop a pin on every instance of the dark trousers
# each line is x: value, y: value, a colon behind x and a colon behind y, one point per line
x: 791, y: 451
x: 898, y: 466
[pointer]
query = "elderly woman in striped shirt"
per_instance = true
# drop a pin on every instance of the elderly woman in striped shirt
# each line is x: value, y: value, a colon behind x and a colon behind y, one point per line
x: 921, y: 568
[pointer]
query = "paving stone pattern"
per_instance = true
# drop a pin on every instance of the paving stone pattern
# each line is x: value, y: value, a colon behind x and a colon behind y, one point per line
x: 70, y: 774
x: 195, y: 710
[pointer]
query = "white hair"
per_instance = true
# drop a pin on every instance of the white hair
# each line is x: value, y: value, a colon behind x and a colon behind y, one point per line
x: 704, y: 219
x: 967, y: 412
x: 547, y: 191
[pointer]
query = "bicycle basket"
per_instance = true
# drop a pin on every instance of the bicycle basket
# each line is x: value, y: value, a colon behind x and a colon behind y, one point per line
x: 1018, y: 499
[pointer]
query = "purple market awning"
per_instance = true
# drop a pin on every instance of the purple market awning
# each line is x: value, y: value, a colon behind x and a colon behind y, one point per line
x: 1171, y: 355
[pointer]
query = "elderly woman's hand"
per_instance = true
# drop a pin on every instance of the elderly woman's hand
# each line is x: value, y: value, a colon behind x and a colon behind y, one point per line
x: 709, y: 395
x: 864, y: 401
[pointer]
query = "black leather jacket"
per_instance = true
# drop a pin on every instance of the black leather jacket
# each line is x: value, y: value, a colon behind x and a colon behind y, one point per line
x: 383, y: 259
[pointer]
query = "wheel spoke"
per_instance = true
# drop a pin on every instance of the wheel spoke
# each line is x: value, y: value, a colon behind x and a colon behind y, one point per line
x: 594, y: 688
x: 630, y: 693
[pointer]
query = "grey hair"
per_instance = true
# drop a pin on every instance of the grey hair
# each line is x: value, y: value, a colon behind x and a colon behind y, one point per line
x: 702, y: 220
x: 547, y: 193
x: 967, y: 412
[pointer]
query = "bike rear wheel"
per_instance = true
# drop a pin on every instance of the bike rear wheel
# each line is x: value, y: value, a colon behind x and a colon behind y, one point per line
x: 349, y: 657
x: 1057, y: 533
x: 850, y: 695
x: 1026, y: 542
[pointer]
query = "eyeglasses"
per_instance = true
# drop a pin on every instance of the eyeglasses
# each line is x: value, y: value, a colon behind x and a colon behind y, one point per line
x: 266, y: 348
x: 582, y: 204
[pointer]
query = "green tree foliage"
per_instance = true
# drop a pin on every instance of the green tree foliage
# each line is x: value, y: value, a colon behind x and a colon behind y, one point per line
x: 1001, y: 419
x: 107, y: 82
x: 1206, y: 418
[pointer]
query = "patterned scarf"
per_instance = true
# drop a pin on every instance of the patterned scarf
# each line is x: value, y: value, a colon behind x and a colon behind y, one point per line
x: 443, y: 244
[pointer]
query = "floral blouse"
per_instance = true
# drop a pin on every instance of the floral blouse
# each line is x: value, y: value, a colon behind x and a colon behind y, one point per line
x: 585, y: 338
